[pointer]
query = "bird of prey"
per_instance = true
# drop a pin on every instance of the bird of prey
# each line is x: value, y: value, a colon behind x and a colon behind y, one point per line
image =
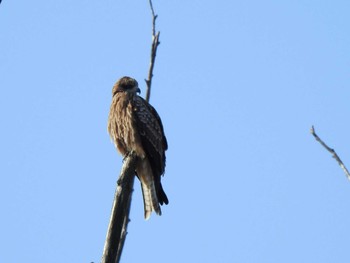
x: 135, y: 126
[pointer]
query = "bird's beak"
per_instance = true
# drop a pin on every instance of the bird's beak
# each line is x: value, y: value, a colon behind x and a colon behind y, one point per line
x: 138, y: 90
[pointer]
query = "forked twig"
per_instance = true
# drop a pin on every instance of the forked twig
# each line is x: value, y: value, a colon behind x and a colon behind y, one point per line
x: 334, y: 154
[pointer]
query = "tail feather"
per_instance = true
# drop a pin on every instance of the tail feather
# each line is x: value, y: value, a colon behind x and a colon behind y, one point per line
x: 149, y: 193
x: 150, y: 200
x: 162, y: 198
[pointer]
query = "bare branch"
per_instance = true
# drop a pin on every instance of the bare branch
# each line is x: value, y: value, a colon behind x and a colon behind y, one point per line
x: 154, y: 16
x: 334, y: 154
x: 119, y: 220
x: 155, y: 43
x: 117, y: 229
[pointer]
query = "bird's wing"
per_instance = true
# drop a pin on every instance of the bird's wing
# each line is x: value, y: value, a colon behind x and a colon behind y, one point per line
x: 151, y: 132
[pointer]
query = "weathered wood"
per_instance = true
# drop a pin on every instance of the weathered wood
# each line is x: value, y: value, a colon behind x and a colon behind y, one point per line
x: 118, y: 222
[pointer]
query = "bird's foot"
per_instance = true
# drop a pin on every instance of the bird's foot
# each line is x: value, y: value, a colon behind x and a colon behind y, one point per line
x: 127, y: 155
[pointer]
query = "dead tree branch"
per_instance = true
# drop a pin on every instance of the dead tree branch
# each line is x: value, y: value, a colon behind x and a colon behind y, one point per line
x: 334, y: 154
x: 154, y: 46
x: 119, y: 219
x: 118, y: 222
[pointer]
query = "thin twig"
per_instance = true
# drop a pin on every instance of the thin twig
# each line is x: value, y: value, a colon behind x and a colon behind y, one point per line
x: 154, y: 16
x: 334, y: 154
x: 155, y: 44
x: 118, y: 223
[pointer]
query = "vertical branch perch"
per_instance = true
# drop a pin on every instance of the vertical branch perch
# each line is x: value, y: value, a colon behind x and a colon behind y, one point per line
x: 118, y: 223
x: 155, y: 44
x: 334, y: 154
x: 117, y: 228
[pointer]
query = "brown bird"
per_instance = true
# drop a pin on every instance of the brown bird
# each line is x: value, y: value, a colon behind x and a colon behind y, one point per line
x: 135, y: 126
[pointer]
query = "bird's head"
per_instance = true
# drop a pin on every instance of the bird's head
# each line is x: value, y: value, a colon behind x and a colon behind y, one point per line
x: 126, y: 84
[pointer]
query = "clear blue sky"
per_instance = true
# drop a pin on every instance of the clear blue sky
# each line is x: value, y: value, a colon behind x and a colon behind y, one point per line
x: 238, y: 86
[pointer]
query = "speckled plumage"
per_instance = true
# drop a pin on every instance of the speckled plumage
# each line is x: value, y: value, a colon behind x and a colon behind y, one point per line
x: 134, y: 125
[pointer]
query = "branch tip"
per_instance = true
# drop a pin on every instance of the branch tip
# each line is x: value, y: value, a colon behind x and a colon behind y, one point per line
x: 332, y: 151
x: 154, y: 46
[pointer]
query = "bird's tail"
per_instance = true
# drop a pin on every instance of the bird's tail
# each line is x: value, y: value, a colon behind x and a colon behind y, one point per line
x: 150, y: 199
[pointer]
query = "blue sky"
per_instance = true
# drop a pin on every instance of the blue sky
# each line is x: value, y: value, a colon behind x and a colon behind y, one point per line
x: 238, y: 86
